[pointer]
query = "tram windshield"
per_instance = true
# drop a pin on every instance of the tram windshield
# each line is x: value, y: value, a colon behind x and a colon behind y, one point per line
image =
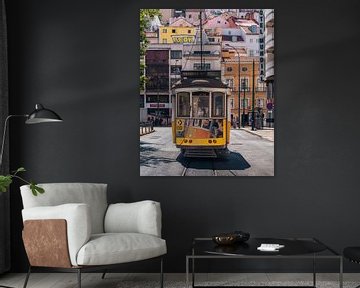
x: 183, y: 104
x: 218, y: 104
x: 200, y: 104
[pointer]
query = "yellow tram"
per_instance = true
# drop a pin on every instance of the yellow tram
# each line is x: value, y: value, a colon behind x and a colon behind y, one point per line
x: 201, y: 117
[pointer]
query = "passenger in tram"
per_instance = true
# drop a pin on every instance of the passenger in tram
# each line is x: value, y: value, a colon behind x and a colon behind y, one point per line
x: 216, y: 128
x: 206, y: 124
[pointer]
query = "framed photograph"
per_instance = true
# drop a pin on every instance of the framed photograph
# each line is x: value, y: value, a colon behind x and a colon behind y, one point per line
x: 207, y: 97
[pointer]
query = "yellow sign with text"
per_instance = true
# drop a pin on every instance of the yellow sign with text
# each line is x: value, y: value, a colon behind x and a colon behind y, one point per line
x: 179, y: 125
x: 183, y: 39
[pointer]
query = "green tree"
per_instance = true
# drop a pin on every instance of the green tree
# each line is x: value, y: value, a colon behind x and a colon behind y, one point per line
x: 145, y: 17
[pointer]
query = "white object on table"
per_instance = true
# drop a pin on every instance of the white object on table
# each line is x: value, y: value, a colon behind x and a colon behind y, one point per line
x: 270, y: 247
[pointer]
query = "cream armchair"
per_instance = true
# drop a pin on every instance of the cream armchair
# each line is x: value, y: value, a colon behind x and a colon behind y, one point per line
x: 72, y: 228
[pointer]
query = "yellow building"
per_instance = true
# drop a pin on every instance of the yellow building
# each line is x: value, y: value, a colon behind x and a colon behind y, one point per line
x: 176, y: 34
x: 230, y: 64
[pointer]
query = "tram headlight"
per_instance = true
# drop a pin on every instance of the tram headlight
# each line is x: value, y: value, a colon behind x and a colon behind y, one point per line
x: 210, y: 141
x: 214, y: 141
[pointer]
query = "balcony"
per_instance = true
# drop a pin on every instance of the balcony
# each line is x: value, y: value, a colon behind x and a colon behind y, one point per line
x: 260, y: 89
x: 269, y: 44
x: 269, y: 69
x: 193, y: 55
x: 269, y: 17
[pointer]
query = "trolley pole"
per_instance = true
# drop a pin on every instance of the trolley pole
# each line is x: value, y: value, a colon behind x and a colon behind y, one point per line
x: 239, y: 100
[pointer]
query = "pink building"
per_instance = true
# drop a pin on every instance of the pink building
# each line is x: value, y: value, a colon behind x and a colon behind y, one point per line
x: 220, y: 21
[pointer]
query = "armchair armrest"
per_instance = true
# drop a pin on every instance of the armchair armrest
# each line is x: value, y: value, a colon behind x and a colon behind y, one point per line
x: 78, y: 225
x: 138, y: 217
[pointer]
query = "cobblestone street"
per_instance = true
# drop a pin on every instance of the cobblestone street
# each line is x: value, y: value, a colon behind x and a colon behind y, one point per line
x: 250, y: 155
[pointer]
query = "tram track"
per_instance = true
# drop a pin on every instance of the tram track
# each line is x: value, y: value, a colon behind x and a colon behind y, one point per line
x: 184, y: 171
x: 186, y: 166
x: 232, y: 172
x: 213, y: 167
x: 187, y: 163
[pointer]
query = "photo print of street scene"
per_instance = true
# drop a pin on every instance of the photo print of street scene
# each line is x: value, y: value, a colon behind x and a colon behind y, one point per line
x: 207, y: 97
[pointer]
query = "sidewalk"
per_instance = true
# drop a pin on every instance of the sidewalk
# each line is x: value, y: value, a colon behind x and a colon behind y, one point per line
x: 146, y: 129
x: 265, y: 133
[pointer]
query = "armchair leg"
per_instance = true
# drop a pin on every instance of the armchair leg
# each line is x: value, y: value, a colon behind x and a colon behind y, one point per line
x: 27, y: 277
x: 103, y: 275
x: 161, y: 273
x: 79, y: 277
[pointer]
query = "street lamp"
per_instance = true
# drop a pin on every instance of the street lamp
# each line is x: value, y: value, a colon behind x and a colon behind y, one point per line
x: 243, y: 115
x: 158, y: 97
x: 253, y: 97
x: 238, y: 80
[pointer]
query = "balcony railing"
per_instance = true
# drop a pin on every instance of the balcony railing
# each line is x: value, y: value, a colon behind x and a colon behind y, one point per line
x: 196, y: 56
x: 248, y: 89
x: 269, y: 64
x: 269, y: 37
x: 269, y: 46
x: 269, y: 69
x: 269, y: 15
x: 260, y: 89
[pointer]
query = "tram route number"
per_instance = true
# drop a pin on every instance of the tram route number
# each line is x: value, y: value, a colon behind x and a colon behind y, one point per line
x: 179, y: 125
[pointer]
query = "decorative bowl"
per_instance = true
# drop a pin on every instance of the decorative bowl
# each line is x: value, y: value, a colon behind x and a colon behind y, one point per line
x: 231, y: 238
x: 225, y: 239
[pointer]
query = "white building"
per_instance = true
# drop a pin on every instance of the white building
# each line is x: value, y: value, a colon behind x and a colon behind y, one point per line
x: 250, y: 33
x: 211, y: 55
x: 240, y: 33
x: 269, y: 43
x: 245, y: 35
x: 267, y: 48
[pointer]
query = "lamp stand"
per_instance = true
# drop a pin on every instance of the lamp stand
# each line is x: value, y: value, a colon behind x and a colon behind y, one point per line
x: 4, y: 135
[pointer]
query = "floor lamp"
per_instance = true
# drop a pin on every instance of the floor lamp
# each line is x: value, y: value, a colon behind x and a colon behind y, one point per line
x: 39, y: 115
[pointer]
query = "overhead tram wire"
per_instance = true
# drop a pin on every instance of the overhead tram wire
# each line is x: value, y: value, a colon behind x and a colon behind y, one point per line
x: 192, y: 45
x: 201, y: 42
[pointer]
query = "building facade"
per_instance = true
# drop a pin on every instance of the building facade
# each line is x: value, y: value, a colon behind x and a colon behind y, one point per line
x: 192, y: 15
x: 166, y: 14
x: 177, y: 53
x: 210, y: 60
x: 155, y: 97
x: 176, y: 33
x: 163, y: 68
x: 269, y: 52
x: 248, y: 72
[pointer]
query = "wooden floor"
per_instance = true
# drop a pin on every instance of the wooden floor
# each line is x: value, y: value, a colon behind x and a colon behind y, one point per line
x: 119, y: 280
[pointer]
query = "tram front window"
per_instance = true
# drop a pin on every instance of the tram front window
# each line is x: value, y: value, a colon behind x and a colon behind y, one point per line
x: 183, y: 104
x: 218, y: 104
x: 200, y: 104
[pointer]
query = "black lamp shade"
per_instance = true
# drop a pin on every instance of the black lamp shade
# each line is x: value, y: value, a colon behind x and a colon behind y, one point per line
x: 42, y: 115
